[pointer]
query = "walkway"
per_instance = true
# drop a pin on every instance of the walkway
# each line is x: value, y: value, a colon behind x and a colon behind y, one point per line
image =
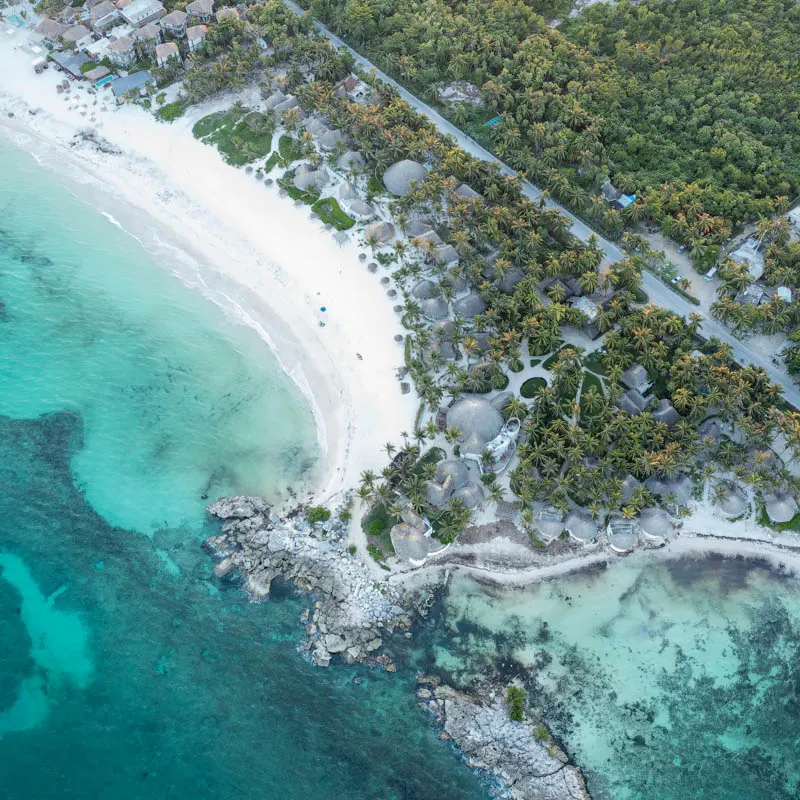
x: 658, y: 291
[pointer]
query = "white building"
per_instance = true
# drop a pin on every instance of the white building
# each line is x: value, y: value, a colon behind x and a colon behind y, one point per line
x: 140, y: 12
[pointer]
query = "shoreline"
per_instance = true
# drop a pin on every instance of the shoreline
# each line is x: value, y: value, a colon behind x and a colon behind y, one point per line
x: 262, y: 261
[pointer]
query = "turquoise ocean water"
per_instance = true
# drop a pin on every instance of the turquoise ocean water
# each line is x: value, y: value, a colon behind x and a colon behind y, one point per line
x: 127, y: 671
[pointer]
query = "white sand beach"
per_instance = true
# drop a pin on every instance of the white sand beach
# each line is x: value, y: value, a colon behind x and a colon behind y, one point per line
x: 237, y: 241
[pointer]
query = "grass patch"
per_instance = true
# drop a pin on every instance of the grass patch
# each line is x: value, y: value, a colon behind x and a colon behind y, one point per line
x: 516, y: 366
x: 792, y: 525
x: 290, y: 149
x: 273, y: 160
x: 87, y: 67
x: 241, y: 137
x: 594, y: 363
x: 330, y: 211
x: 640, y: 295
x: 552, y: 359
x: 535, y: 362
x: 171, y: 111
x: 287, y: 184
x: 531, y: 387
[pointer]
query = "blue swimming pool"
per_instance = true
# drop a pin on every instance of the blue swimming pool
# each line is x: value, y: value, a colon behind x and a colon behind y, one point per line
x: 104, y: 81
x: 18, y: 21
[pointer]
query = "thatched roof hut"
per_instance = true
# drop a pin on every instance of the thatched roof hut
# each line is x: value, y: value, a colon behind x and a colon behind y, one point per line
x: 780, y: 507
x: 470, y: 306
x: 399, y: 176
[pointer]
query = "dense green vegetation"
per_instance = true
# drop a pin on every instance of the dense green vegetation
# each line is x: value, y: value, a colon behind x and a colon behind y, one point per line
x: 329, y: 211
x: 691, y: 106
x: 171, y: 111
x: 515, y: 698
x: 240, y: 136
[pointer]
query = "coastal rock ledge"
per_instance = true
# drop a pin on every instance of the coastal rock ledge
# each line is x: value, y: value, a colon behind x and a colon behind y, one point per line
x: 522, y: 755
x: 352, y: 612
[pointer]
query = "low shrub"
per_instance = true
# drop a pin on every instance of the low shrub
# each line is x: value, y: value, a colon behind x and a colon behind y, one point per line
x: 170, y: 112
x: 318, y: 514
x: 515, y: 698
x: 377, y: 527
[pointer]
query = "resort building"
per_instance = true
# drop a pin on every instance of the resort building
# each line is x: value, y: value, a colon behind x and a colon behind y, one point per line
x: 615, y: 197
x: 622, y: 535
x: 655, y: 526
x: 353, y: 88
x: 103, y: 16
x: 548, y: 522
x: 51, y: 31
x: 484, y: 437
x: 201, y: 10
x: 142, y: 12
x: 77, y: 37
x: 147, y: 37
x: 69, y: 62
x: 306, y: 178
x: 780, y: 507
x: 665, y: 412
x: 382, y: 232
x: 636, y: 377
x: 412, y: 540
x: 675, y: 492
x: 748, y: 255
x: 174, y: 24
x: 167, y: 52
x: 195, y: 36
x: 122, y: 51
x: 581, y: 527
x: 132, y: 86
x: 227, y: 13
x: 400, y: 176
x: 454, y: 478
x: 97, y: 74
x: 730, y: 500
x: 469, y: 306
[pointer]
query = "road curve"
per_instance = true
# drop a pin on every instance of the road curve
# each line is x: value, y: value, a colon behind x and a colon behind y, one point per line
x: 657, y: 291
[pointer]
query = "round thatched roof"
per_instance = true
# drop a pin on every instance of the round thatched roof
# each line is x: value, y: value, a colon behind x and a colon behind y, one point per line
x: 329, y: 139
x: 409, y: 543
x: 733, y: 502
x: 580, y: 526
x: 471, y: 495
x: 780, y: 507
x: 347, y: 191
x: 476, y: 418
x: 655, y: 522
x: 434, y: 308
x: 382, y: 231
x: 359, y: 208
x: 350, y: 160
x: 469, y: 306
x: 398, y: 177
x: 425, y: 290
x: 456, y: 469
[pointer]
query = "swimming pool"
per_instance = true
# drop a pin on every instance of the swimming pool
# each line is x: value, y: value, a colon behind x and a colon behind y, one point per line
x: 18, y: 21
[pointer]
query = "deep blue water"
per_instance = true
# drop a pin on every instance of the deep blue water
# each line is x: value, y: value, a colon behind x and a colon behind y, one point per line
x: 126, y: 670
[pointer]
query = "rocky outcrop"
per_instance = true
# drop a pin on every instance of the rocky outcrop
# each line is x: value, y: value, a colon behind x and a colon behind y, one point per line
x: 520, y: 754
x: 352, y: 613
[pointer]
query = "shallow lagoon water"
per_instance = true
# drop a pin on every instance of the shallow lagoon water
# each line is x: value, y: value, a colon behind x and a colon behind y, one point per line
x: 126, y: 670
x: 676, y: 680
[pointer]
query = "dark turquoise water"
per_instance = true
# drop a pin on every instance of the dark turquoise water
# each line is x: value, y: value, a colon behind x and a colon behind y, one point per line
x: 126, y: 671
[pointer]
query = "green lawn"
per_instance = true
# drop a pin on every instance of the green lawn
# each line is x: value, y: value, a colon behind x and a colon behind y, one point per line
x: 381, y: 544
x: 552, y: 359
x: 592, y: 362
x: 330, y: 211
x: 273, y: 159
x: 240, y: 136
x: 290, y: 149
x: 531, y: 387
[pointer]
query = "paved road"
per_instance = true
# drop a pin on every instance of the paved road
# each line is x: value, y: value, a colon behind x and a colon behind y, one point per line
x: 658, y: 291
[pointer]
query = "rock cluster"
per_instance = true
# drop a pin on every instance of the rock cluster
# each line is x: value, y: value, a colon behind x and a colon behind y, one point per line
x: 353, y: 611
x: 520, y: 754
